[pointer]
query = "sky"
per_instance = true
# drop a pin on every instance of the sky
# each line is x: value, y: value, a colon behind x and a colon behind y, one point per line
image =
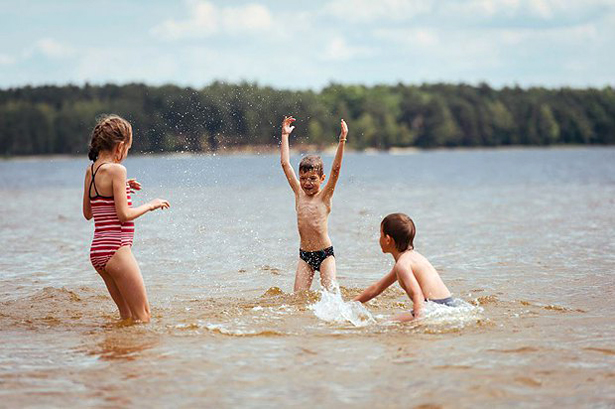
x: 308, y: 44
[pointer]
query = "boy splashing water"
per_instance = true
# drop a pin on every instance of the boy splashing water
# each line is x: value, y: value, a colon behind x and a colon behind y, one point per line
x: 313, y: 206
x: 415, y: 274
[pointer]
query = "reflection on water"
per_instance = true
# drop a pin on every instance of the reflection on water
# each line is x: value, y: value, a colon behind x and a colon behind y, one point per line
x: 124, y: 345
x: 522, y: 237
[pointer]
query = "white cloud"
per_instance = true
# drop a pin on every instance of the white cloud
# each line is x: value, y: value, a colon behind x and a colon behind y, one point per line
x: 339, y: 50
x: 53, y: 49
x: 545, y: 10
x: 542, y: 8
x: 483, y: 53
x: 251, y: 17
x: 47, y: 47
x: 560, y: 36
x: 117, y: 63
x: 548, y: 9
x: 206, y: 19
x: 203, y: 22
x: 370, y: 10
x: 501, y: 41
x: 481, y: 9
x: 7, y: 60
x: 468, y: 12
x: 420, y: 37
x: 423, y: 37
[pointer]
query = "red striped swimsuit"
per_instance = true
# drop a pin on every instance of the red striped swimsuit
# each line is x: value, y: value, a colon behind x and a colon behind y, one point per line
x: 109, y: 233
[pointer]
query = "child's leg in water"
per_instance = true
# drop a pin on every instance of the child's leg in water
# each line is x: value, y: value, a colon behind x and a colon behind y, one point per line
x: 404, y: 317
x: 304, y: 276
x: 121, y: 303
x: 327, y: 273
x: 125, y: 272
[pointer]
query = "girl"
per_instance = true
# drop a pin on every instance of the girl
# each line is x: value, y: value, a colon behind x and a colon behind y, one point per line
x: 106, y: 197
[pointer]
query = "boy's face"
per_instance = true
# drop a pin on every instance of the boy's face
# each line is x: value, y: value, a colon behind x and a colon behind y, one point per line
x: 310, y: 181
x: 386, y: 242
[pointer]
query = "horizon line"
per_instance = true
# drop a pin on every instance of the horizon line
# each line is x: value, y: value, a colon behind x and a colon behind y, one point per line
x: 255, y: 83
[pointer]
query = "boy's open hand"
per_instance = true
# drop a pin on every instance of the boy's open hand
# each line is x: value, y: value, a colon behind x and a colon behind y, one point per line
x: 344, y: 131
x: 286, y: 125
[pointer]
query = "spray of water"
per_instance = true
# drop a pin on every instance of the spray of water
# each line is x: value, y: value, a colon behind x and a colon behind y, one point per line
x: 457, y: 316
x: 332, y: 308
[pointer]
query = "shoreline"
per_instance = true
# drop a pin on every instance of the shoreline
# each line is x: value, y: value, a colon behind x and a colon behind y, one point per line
x: 329, y: 150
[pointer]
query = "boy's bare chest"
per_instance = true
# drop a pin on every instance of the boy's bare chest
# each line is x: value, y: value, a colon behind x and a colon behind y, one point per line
x: 312, y: 208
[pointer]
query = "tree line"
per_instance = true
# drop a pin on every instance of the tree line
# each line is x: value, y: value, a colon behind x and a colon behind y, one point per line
x: 59, y: 119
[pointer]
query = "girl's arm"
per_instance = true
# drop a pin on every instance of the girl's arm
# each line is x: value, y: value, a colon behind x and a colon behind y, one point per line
x: 412, y: 288
x: 87, y: 207
x: 124, y: 212
x: 285, y: 154
x: 337, y: 161
x: 378, y: 287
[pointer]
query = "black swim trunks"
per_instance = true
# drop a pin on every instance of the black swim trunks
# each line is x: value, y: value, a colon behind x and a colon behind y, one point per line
x: 448, y: 301
x: 315, y: 258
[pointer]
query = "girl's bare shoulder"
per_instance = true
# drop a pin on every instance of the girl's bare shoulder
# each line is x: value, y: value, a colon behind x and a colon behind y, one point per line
x: 115, y: 169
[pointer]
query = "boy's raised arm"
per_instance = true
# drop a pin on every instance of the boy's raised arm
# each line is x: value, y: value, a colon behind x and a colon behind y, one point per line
x: 285, y: 154
x: 378, y: 287
x: 337, y: 161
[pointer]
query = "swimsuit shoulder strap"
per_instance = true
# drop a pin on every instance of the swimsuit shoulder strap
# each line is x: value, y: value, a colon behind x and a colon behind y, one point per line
x: 99, y: 166
x: 93, y: 183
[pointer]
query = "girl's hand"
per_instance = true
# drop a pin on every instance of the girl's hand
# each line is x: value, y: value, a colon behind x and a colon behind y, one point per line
x: 133, y: 185
x: 344, y: 131
x: 159, y: 204
x: 286, y: 128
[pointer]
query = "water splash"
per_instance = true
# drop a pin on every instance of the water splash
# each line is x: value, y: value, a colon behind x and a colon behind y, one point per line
x: 457, y: 316
x: 332, y: 308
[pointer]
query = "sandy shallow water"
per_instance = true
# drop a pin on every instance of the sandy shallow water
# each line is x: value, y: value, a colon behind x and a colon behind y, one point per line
x: 523, y: 237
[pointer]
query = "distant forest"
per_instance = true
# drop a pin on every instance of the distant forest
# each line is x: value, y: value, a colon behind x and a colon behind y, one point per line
x: 59, y: 119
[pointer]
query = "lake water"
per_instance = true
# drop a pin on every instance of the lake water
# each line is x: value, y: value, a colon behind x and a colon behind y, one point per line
x: 523, y: 236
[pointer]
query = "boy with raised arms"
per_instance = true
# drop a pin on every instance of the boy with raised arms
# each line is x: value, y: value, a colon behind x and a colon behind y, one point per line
x: 313, y: 206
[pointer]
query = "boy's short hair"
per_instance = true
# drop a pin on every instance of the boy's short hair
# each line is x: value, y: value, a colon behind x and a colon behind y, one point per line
x: 311, y: 162
x: 401, y: 228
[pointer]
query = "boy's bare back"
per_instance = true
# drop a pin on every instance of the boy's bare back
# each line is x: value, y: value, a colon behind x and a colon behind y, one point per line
x: 429, y: 280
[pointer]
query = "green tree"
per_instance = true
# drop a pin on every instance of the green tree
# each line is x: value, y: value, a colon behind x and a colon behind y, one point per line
x: 547, y: 126
x: 365, y: 132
